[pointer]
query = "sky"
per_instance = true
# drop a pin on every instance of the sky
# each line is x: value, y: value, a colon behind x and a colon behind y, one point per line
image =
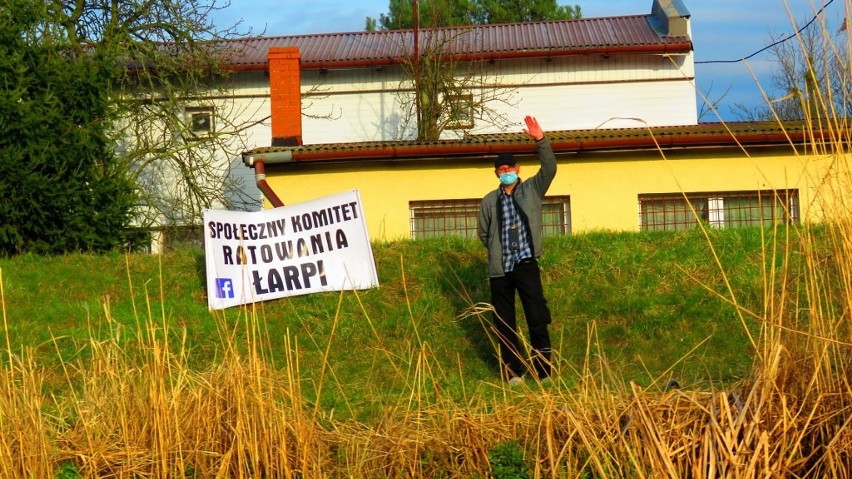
x: 722, y: 31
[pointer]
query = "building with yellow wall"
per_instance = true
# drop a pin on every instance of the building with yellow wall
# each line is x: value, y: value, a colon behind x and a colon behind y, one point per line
x: 728, y: 175
x: 615, y: 96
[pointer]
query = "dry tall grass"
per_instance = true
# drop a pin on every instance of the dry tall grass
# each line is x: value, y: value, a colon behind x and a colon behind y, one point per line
x: 138, y: 410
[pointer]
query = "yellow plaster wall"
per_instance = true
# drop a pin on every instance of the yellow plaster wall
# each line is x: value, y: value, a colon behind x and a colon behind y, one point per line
x: 385, y: 192
x: 603, y: 188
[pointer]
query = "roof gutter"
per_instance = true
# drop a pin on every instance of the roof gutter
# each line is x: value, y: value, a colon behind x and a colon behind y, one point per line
x: 674, y: 141
x: 437, y: 151
x: 668, y: 48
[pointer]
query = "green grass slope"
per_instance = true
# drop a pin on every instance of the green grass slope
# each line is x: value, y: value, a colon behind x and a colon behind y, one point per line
x: 650, y: 306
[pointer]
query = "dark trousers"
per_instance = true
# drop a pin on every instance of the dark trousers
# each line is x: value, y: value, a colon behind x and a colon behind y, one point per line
x: 526, y: 280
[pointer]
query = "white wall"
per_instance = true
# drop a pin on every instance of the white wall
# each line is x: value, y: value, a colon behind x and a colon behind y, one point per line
x: 578, y: 92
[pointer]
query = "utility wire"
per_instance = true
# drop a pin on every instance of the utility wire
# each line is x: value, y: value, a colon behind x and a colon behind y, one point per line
x: 788, y: 37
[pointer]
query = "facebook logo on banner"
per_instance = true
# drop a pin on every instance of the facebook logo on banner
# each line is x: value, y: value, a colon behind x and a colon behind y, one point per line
x: 224, y: 288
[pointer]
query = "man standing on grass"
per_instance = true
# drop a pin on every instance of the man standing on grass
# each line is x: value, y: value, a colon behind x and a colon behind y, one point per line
x: 510, y: 227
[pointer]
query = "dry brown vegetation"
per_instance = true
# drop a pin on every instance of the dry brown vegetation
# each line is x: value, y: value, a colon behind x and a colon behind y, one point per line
x: 141, y: 411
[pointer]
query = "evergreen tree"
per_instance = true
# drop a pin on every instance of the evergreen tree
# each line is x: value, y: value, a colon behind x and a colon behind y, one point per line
x: 438, y: 13
x: 504, y: 11
x: 95, y: 133
x: 62, y: 189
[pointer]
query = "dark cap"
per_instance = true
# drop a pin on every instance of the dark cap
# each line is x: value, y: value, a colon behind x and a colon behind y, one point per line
x: 505, y: 159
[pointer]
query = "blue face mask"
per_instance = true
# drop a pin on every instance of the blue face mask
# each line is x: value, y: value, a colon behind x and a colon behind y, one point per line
x: 508, y: 178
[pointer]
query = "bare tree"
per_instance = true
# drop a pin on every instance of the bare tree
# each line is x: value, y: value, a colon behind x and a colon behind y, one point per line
x: 811, y: 77
x: 441, y: 92
x: 180, y: 148
x: 176, y: 123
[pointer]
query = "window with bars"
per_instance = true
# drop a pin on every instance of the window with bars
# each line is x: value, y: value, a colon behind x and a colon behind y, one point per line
x: 439, y: 218
x: 201, y: 122
x: 459, y: 114
x: 733, y: 209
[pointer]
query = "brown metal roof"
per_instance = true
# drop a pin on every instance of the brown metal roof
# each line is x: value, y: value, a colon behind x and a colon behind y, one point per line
x: 704, y: 134
x: 626, y: 34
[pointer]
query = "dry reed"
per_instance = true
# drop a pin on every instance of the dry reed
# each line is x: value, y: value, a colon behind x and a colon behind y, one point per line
x: 135, y: 408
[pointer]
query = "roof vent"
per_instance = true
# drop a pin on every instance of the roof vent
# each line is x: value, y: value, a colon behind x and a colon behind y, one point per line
x: 670, y: 18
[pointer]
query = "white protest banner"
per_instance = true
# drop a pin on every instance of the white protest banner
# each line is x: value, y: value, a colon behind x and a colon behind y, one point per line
x: 318, y: 245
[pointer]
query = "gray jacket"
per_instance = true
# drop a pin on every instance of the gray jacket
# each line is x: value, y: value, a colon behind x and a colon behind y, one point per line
x: 528, y: 194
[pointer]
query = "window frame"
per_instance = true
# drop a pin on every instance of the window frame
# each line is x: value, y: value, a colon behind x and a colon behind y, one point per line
x: 469, y: 207
x: 713, y: 209
x: 459, y: 111
x: 190, y: 114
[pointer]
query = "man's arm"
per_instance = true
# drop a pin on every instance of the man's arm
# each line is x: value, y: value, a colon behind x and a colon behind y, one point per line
x: 484, y: 223
x: 547, y: 172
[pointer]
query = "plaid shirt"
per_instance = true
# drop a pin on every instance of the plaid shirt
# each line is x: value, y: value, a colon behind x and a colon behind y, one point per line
x: 511, y: 220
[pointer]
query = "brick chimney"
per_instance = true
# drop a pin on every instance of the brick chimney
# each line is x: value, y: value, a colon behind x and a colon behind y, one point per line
x: 285, y: 93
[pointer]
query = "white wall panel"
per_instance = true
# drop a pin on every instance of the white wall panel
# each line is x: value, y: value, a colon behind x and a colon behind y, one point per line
x: 247, y: 83
x: 593, y: 68
x: 566, y: 93
x: 573, y: 107
x: 373, y: 116
x: 379, y: 117
x: 576, y: 92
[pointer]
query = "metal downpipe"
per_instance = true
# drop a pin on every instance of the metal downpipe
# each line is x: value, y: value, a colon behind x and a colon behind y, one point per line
x: 260, y: 178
